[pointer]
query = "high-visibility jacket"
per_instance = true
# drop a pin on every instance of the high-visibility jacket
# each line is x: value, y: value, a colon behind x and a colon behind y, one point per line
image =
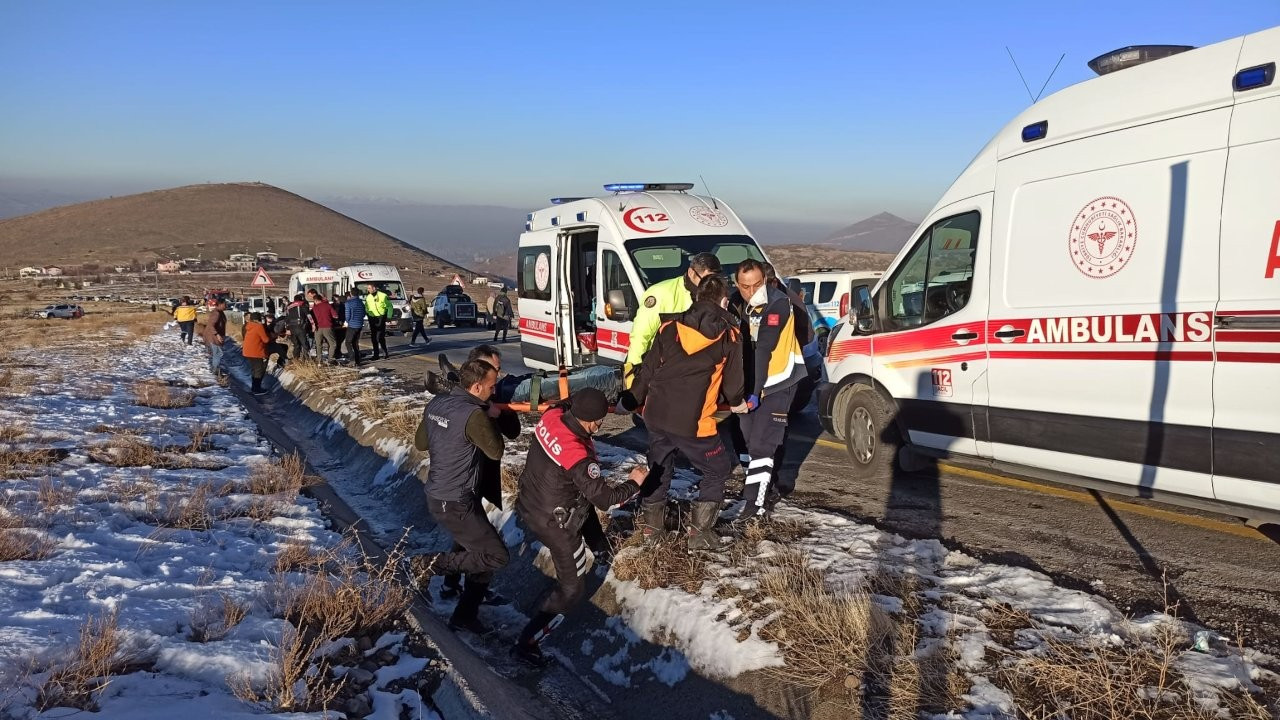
x: 666, y: 297
x: 184, y: 313
x: 377, y: 305
x: 774, y: 357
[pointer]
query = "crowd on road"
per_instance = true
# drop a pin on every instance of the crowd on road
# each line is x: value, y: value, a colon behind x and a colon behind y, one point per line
x: 697, y: 349
x: 715, y: 371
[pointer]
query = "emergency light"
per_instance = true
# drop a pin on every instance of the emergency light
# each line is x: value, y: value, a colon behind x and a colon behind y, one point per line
x: 1255, y: 77
x: 641, y: 187
x: 1035, y: 131
x: 563, y: 200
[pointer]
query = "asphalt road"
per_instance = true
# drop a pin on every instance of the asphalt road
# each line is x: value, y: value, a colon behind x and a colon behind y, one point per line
x: 1140, y: 554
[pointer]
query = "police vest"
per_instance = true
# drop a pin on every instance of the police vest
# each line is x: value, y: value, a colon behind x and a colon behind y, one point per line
x: 562, y: 445
x: 455, y: 460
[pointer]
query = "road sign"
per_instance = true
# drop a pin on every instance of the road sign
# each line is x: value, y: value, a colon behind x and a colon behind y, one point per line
x: 457, y: 279
x: 262, y: 279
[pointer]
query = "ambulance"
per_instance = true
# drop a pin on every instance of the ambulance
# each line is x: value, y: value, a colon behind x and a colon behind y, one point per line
x: 324, y: 282
x: 1096, y: 299
x: 583, y: 263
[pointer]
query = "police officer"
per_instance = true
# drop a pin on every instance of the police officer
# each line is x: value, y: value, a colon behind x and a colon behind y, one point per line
x: 695, y: 361
x: 458, y: 431
x: 561, y: 482
x: 775, y: 367
x: 669, y: 296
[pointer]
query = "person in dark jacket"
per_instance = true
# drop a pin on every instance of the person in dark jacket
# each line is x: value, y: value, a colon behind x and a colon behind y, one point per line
x: 774, y: 368
x: 694, y: 362
x: 561, y: 482
x: 339, y: 306
x: 457, y: 429
x: 298, y: 317
x: 354, y: 324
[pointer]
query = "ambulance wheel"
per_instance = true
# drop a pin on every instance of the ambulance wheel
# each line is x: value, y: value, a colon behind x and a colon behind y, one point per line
x: 870, y: 435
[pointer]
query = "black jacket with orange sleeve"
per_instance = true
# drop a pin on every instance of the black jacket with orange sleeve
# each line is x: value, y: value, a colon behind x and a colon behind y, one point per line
x: 694, y: 362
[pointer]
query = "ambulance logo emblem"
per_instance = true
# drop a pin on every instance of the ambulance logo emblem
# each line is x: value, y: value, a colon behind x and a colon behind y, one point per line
x: 708, y: 216
x: 1103, y: 236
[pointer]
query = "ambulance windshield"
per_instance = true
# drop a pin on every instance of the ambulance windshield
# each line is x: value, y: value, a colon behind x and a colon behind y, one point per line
x: 659, y: 259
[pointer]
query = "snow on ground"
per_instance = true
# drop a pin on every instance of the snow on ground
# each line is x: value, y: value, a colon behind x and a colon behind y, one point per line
x: 109, y: 553
x: 716, y: 634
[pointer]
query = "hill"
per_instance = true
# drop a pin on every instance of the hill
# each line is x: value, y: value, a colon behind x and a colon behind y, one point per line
x: 210, y: 222
x: 885, y: 233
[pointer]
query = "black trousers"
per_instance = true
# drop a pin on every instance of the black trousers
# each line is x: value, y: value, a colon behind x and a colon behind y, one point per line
x: 188, y: 330
x: 764, y: 429
x: 707, y: 455
x: 298, y: 341
x: 569, y: 553
x: 339, y: 335
x: 378, y: 335
x: 418, y: 329
x: 483, y: 551
x: 353, y: 344
x: 501, y: 325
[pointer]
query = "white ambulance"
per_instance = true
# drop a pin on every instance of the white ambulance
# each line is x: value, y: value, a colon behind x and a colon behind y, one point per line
x: 829, y: 290
x: 324, y: 282
x: 1097, y: 297
x: 584, y: 262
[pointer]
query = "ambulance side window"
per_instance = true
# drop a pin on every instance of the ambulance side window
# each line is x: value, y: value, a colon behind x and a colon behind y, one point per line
x: 615, y: 278
x: 534, y: 276
x: 935, y: 279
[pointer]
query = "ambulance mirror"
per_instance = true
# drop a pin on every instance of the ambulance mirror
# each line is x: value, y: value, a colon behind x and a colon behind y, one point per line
x: 863, y: 309
x: 616, y: 306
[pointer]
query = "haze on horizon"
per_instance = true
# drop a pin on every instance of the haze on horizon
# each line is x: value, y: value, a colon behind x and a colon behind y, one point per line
x: 822, y: 114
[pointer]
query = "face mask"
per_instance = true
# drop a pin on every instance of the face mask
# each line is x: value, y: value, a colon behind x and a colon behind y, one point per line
x: 759, y: 296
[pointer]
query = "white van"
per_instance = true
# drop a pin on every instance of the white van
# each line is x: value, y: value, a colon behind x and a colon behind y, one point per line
x: 584, y: 262
x: 828, y: 290
x: 1097, y: 297
x: 324, y: 282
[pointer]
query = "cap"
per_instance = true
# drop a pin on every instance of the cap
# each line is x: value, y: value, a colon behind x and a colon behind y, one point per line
x: 589, y: 405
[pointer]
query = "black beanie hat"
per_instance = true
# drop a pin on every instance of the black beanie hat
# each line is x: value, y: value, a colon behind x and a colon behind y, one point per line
x: 589, y: 405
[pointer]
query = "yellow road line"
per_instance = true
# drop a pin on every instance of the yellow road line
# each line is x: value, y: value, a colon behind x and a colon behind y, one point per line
x: 1195, y: 521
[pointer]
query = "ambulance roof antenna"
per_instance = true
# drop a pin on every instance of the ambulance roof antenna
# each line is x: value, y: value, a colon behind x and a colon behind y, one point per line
x: 1051, y: 73
x: 1020, y: 75
x: 713, y: 198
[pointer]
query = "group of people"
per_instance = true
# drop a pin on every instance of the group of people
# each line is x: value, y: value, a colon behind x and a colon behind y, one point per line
x: 697, y: 352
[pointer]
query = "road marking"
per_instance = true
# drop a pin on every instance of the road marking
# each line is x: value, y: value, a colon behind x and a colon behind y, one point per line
x: 1195, y: 521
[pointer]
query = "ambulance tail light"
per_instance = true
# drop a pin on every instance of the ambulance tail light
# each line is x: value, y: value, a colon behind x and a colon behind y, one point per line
x: 844, y: 305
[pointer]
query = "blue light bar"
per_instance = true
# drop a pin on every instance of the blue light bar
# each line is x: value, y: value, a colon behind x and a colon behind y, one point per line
x: 1254, y: 77
x: 563, y: 200
x: 640, y: 187
x: 1035, y: 131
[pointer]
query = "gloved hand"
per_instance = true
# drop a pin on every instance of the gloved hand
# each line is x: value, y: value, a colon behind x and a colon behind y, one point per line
x: 627, y: 401
x: 753, y: 402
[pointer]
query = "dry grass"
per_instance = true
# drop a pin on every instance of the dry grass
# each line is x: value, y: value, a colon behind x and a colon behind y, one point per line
x: 215, y: 616
x: 12, y: 433
x: 87, y: 670
x: 370, y: 403
x: 286, y: 475
x: 192, y: 510
x: 510, y: 482
x: 830, y: 638
x: 53, y: 495
x: 200, y: 435
x: 666, y: 564
x: 296, y: 554
x: 403, y: 424
x: 354, y: 593
x: 17, y: 462
x: 128, y: 450
x: 18, y: 543
x: 156, y: 394
x: 296, y: 682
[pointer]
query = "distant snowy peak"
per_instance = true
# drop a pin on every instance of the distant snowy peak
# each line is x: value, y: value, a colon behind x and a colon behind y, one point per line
x: 885, y: 232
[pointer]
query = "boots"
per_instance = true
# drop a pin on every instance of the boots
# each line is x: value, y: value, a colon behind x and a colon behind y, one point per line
x: 528, y: 646
x: 651, y: 522
x: 702, y: 535
x: 466, y: 616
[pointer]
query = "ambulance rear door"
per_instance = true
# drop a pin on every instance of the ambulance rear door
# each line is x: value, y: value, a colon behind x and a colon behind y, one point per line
x: 1246, y: 381
x: 616, y: 277
x: 538, y: 254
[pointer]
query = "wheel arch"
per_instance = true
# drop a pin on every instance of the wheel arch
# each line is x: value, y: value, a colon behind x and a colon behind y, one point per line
x: 840, y: 399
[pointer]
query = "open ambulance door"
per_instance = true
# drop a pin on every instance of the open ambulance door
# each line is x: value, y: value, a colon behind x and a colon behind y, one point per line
x: 537, y: 256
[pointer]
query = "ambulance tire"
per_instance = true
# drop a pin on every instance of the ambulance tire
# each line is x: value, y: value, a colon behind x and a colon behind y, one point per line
x: 870, y: 434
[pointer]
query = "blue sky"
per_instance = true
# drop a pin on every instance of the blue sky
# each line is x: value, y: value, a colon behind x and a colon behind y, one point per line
x: 793, y: 111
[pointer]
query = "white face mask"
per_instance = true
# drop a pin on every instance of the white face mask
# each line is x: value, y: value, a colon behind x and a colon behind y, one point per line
x: 759, y: 296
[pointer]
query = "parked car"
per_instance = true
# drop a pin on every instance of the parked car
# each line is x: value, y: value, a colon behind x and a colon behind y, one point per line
x: 64, y: 311
x: 454, y: 307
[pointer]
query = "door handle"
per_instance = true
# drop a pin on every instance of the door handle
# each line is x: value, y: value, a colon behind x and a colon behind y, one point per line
x: 965, y: 335
x: 1010, y: 333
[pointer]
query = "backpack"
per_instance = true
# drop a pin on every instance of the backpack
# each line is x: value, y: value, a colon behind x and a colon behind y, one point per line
x: 297, y: 316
